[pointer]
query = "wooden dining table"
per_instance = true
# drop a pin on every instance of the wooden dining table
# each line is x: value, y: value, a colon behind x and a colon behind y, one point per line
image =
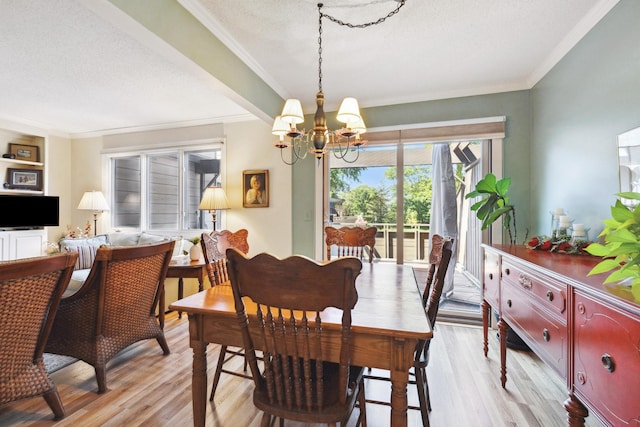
x: 388, y: 320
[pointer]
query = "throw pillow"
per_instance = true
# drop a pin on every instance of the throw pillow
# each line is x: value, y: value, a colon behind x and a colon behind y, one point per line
x: 86, y: 248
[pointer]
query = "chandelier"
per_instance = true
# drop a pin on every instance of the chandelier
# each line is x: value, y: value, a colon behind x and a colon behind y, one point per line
x: 321, y: 140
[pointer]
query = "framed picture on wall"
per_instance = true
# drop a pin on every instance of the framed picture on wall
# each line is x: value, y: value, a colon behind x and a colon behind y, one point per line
x: 255, y: 188
x: 26, y: 179
x: 28, y: 153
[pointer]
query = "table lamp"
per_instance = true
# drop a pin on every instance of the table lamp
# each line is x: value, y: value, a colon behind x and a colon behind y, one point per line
x: 214, y: 199
x: 93, y: 201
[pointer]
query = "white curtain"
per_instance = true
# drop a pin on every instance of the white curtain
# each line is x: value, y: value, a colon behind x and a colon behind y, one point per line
x: 444, y: 210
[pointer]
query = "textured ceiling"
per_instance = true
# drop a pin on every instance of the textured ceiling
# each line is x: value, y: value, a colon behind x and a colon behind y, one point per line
x: 65, y: 67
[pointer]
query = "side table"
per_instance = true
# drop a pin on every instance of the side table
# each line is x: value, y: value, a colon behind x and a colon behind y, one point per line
x: 191, y: 270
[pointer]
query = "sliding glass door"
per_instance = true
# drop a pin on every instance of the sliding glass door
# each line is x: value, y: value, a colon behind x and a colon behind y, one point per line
x: 369, y: 187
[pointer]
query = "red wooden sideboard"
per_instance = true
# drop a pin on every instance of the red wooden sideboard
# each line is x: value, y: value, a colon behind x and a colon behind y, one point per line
x: 589, y: 333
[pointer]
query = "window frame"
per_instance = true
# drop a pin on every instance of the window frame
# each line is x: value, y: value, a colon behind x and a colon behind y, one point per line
x: 144, y: 152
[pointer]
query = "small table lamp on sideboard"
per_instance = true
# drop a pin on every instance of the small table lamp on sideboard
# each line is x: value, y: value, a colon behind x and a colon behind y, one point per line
x: 214, y: 199
x: 93, y: 201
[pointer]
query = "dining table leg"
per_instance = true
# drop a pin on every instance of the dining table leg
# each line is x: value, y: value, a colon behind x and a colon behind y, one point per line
x: 401, y: 361
x: 199, y: 383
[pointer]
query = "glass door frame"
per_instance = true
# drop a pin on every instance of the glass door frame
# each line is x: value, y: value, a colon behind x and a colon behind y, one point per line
x: 492, y: 161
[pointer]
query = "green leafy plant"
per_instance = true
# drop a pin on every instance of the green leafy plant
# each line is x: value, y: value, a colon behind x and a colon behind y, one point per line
x: 195, y: 240
x: 494, y: 204
x: 621, y: 248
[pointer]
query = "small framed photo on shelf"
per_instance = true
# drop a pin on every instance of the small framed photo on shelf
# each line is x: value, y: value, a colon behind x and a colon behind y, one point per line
x: 25, y: 179
x: 255, y: 189
x: 28, y: 153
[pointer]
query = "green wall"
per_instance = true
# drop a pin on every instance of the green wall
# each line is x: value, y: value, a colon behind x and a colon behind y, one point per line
x: 579, y: 107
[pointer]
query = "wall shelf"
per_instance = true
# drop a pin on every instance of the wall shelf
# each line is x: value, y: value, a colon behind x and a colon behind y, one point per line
x: 21, y: 162
x: 9, y: 137
x: 20, y: 191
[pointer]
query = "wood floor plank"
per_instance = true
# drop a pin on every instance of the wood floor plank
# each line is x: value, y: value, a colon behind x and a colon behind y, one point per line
x: 147, y: 388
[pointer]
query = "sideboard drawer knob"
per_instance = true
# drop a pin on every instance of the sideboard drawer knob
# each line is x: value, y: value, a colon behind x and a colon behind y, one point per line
x: 607, y: 362
x: 507, y: 271
x: 509, y: 303
x: 545, y: 334
x: 525, y: 281
x: 490, y: 276
x: 550, y: 295
x: 582, y: 378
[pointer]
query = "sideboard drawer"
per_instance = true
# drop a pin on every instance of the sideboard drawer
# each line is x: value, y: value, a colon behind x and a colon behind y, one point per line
x: 491, y: 282
x: 545, y: 334
x: 548, y: 293
x: 607, y: 360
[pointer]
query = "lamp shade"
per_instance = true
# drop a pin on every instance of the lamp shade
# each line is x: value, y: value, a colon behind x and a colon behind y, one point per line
x: 358, y: 126
x: 292, y: 112
x: 349, y: 111
x: 214, y: 198
x: 280, y: 127
x: 93, y: 201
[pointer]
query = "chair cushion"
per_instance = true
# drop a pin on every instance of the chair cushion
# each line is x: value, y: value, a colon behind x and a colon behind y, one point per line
x: 78, y: 277
x: 86, y: 248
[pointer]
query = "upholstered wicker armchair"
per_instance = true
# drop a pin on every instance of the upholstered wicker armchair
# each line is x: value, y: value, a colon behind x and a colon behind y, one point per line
x: 114, y: 308
x: 30, y: 292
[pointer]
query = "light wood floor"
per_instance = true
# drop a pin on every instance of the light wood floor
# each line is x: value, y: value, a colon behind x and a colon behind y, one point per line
x: 148, y: 389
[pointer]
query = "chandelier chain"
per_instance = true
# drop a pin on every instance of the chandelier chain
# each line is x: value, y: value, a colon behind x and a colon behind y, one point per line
x: 345, y: 24
x: 319, y: 47
x: 365, y: 25
x: 321, y: 137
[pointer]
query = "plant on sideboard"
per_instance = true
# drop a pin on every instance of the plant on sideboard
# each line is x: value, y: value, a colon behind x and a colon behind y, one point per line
x: 494, y: 204
x: 621, y: 248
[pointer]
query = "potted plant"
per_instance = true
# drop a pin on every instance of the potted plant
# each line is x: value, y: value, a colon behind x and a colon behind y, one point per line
x: 494, y: 204
x: 621, y: 248
x: 195, y: 251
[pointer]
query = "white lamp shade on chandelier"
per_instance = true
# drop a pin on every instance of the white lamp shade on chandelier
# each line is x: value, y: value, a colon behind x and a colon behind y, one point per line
x: 349, y: 111
x: 280, y: 127
x: 358, y: 126
x: 292, y: 112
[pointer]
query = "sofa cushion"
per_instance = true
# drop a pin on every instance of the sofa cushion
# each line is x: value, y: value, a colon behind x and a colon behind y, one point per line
x: 150, y: 239
x: 124, y: 239
x: 86, y: 248
x: 178, y: 248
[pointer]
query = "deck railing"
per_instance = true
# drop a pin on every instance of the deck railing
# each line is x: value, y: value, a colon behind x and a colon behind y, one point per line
x: 415, y: 239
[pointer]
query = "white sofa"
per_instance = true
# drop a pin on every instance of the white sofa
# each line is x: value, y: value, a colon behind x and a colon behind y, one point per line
x: 87, y: 247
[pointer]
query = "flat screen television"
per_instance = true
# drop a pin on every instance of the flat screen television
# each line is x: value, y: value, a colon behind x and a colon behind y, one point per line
x: 24, y: 212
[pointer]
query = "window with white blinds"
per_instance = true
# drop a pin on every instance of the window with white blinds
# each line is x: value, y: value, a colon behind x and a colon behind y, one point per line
x: 161, y: 190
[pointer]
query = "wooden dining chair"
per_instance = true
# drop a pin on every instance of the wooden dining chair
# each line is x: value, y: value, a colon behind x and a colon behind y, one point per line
x: 439, y: 257
x: 282, y: 307
x: 114, y: 308
x: 350, y: 241
x: 30, y: 293
x: 214, y: 247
